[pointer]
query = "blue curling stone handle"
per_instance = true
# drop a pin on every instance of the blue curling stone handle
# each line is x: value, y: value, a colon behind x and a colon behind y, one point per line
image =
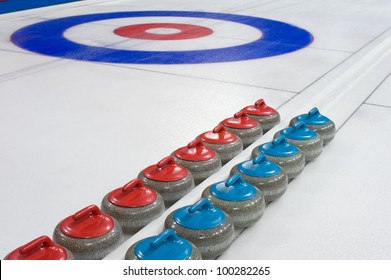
x: 299, y: 131
x: 260, y: 166
x: 199, y: 216
x: 279, y: 147
x: 234, y: 189
x: 314, y: 117
x: 165, y: 246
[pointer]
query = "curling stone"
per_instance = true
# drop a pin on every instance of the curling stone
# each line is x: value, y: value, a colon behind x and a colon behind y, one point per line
x: 267, y: 176
x: 169, y: 179
x: 307, y: 140
x: 245, y: 127
x: 201, y: 161
x: 285, y: 154
x: 243, y: 202
x: 266, y: 116
x: 89, y: 234
x: 165, y: 246
x: 206, y: 226
x: 41, y: 248
x: 226, y: 144
x: 133, y: 206
x: 318, y: 123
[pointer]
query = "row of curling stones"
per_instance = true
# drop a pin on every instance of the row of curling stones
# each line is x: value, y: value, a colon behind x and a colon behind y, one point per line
x: 279, y: 150
x: 302, y: 142
x: 41, y: 248
x: 165, y: 246
x: 134, y: 213
x: 309, y: 132
x: 252, y: 122
x: 133, y: 206
x: 206, y: 154
x: 89, y: 234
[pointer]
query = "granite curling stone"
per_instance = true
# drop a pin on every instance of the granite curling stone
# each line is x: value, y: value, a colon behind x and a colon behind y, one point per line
x: 206, y: 226
x: 318, y: 123
x: 133, y: 206
x: 171, y: 180
x: 307, y: 140
x: 41, y: 248
x: 200, y: 160
x: 245, y: 127
x: 243, y: 202
x: 285, y: 154
x: 165, y: 246
x: 226, y: 144
x: 267, y: 176
x: 266, y: 116
x: 89, y: 234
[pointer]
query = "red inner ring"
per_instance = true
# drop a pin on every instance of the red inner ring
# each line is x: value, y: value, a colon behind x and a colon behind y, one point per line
x: 139, y: 31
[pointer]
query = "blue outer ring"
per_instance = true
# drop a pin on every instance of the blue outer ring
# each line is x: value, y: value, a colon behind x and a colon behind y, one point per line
x: 47, y: 38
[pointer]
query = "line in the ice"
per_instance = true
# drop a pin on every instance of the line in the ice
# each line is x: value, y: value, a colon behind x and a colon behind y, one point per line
x: 364, y: 102
x: 287, y: 101
x: 205, y: 79
x: 244, y: 7
x: 382, y: 82
x: 32, y: 70
x: 20, y: 52
x: 273, y: 9
x: 331, y: 50
x: 377, y: 105
x: 373, y: 39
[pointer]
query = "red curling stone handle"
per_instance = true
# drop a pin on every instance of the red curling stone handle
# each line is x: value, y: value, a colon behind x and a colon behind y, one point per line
x: 165, y: 162
x: 91, y: 210
x: 135, y: 183
x: 43, y: 241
